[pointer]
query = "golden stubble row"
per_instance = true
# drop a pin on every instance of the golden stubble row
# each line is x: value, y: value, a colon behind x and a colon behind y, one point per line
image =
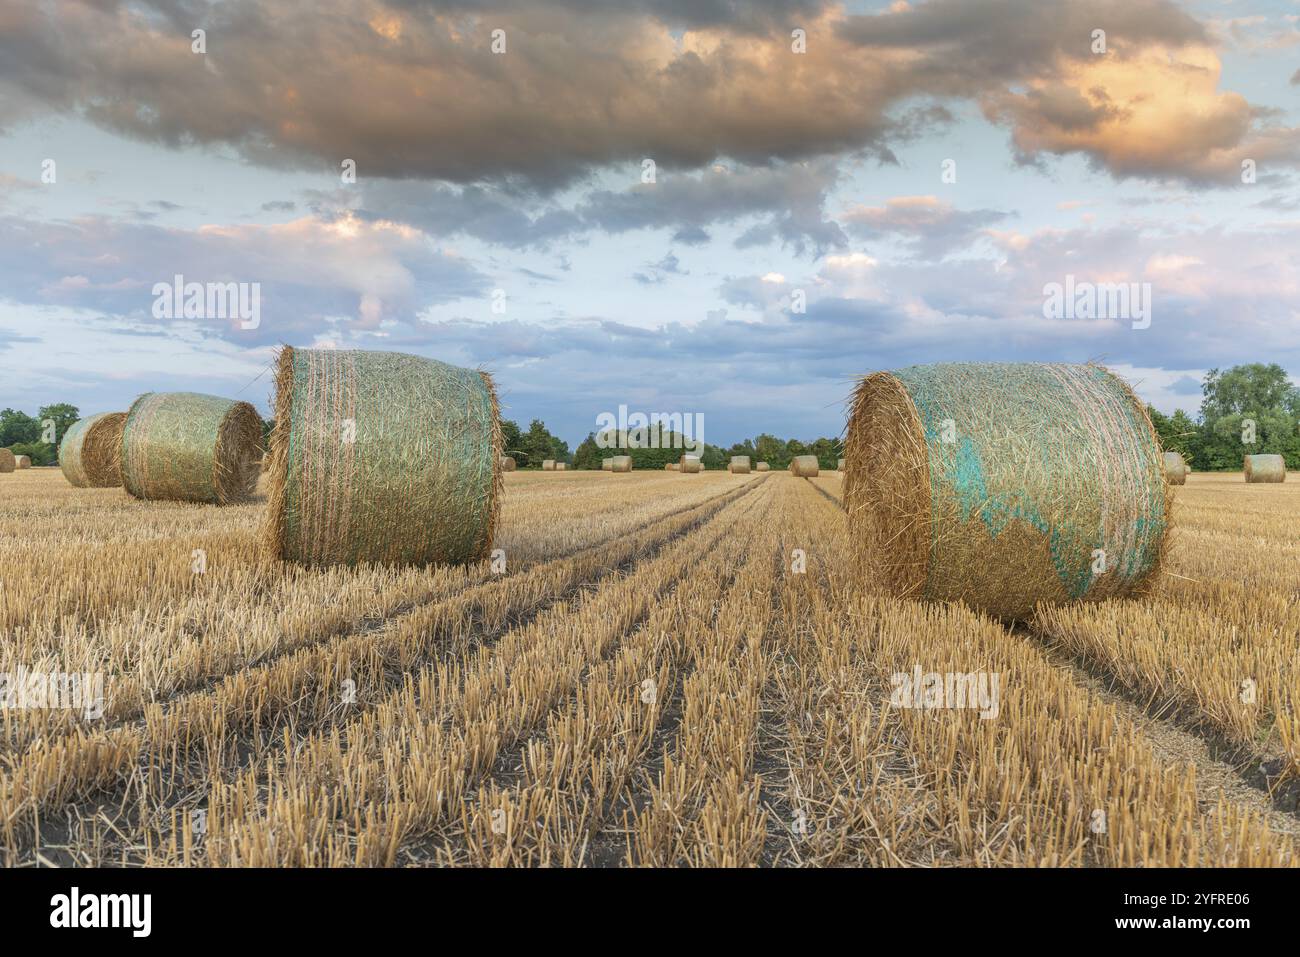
x: 355, y: 795
x: 249, y: 705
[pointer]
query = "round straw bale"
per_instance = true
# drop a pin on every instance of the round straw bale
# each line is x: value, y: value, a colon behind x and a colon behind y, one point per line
x: 548, y: 465
x: 8, y: 462
x: 22, y: 462
x: 762, y: 467
x: 91, y: 451
x: 1264, y: 468
x: 508, y: 463
x: 1003, y: 485
x: 561, y: 466
x: 690, y: 465
x: 839, y: 465
x: 1175, y: 469
x: 382, y: 457
x: 739, y: 465
x: 191, y: 448
x: 804, y: 466
x: 620, y: 463
x: 607, y: 465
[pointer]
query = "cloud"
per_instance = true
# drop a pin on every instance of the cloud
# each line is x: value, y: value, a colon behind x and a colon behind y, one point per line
x: 1149, y: 107
x: 418, y: 92
x: 415, y: 90
x: 312, y: 273
x: 1154, y: 114
x: 786, y: 201
x: 657, y: 272
x: 932, y: 226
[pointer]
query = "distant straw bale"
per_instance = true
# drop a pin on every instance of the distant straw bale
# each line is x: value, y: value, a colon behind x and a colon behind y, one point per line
x: 1264, y: 468
x: 190, y: 447
x: 91, y: 451
x: 1175, y: 469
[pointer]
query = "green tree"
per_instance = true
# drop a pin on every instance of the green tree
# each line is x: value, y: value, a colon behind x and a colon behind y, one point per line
x: 38, y: 452
x: 770, y: 449
x: 1245, y: 410
x: 512, y: 440
x: 62, y: 415
x: 588, y: 454
x: 17, y: 427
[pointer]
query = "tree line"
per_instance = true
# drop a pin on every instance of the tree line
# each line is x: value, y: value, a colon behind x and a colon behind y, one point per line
x: 28, y: 435
x: 1247, y: 409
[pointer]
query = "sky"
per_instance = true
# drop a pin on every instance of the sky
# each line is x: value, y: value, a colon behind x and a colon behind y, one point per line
x: 718, y: 207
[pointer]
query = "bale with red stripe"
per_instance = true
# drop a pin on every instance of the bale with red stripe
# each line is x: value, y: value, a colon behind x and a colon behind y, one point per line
x: 382, y: 457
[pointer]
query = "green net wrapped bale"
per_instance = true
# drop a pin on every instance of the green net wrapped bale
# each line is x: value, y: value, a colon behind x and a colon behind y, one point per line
x: 1175, y: 469
x: 189, y: 447
x: 382, y: 457
x: 620, y: 463
x: 1264, y: 468
x: 739, y: 465
x: 804, y: 466
x: 91, y: 451
x: 1004, y: 485
x: 8, y: 461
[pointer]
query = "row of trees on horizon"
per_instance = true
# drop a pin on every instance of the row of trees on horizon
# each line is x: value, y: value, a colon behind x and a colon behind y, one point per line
x: 1255, y: 401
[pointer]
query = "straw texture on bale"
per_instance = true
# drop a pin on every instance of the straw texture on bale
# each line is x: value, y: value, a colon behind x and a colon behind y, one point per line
x: 739, y: 465
x: 1005, y: 485
x: 839, y: 465
x: 548, y: 465
x: 804, y: 466
x: 1264, y: 468
x: 190, y: 447
x: 762, y: 467
x: 1175, y: 469
x: 690, y: 464
x: 8, y: 462
x: 508, y: 463
x: 91, y: 451
x: 22, y: 462
x: 561, y: 466
x: 607, y: 465
x: 382, y: 457
x: 620, y: 463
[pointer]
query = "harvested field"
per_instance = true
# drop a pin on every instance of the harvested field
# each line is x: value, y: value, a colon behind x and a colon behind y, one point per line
x: 659, y: 672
